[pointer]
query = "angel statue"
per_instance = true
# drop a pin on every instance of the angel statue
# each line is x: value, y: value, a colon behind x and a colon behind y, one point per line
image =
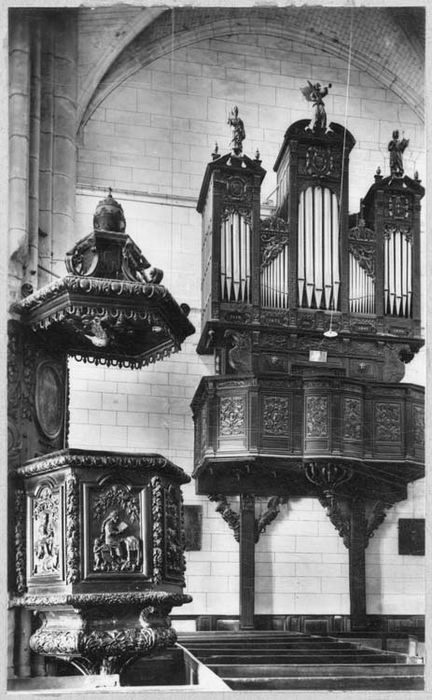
x: 238, y: 131
x: 396, y: 148
x: 315, y: 94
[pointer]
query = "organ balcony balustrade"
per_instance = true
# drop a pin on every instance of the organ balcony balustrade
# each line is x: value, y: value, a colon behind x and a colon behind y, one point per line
x: 263, y: 431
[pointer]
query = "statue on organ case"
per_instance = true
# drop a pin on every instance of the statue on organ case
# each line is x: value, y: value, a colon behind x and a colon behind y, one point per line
x: 396, y: 148
x: 315, y: 93
x: 238, y: 131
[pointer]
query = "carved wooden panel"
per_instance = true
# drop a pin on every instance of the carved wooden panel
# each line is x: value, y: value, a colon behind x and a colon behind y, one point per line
x: 276, y: 415
x: 45, y: 545
x: 419, y: 426
x: 387, y: 422
x: 352, y: 412
x: 115, y: 524
x: 232, y: 416
x: 316, y: 416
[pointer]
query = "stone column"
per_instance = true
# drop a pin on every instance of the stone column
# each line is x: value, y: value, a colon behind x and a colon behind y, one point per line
x: 19, y: 119
x: 247, y: 561
x: 58, y: 144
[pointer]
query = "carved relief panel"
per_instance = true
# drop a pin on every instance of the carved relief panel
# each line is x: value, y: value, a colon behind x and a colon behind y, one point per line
x: 388, y: 422
x: 276, y: 416
x: 232, y: 416
x: 116, y: 519
x: 316, y: 416
x: 45, y: 544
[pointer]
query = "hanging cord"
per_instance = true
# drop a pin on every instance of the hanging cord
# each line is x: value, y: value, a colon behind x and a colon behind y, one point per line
x: 331, y: 333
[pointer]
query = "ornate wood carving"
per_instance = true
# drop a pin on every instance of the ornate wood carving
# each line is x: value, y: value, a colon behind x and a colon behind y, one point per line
x: 316, y: 416
x: 47, y: 522
x: 232, y: 415
x: 158, y: 529
x: 72, y: 530
x: 228, y: 514
x: 328, y: 476
x: 274, y: 237
x: 20, y: 540
x: 270, y: 514
x: 388, y: 422
x: 175, y: 563
x: 239, y: 354
x: 339, y: 516
x: 419, y: 425
x: 319, y: 162
x: 115, y: 525
x: 276, y: 415
x: 93, y: 459
x: 352, y: 419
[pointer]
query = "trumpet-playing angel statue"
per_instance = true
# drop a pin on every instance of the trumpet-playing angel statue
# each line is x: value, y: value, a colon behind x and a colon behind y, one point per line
x: 315, y: 93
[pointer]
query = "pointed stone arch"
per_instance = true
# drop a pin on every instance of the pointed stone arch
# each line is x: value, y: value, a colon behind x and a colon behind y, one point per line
x: 157, y: 32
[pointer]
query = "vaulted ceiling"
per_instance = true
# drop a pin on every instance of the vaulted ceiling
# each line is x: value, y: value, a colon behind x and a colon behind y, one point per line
x: 387, y: 43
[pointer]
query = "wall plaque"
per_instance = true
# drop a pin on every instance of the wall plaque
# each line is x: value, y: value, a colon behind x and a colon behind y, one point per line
x: 193, y: 528
x: 412, y: 536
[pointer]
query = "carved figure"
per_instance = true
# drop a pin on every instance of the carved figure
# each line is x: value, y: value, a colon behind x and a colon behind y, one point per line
x: 315, y: 93
x: 114, y: 549
x: 238, y: 131
x: 46, y: 552
x: 396, y: 147
x: 112, y: 530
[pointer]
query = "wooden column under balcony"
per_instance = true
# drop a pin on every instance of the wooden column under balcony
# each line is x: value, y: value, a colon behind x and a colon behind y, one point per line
x: 247, y: 561
x: 357, y: 565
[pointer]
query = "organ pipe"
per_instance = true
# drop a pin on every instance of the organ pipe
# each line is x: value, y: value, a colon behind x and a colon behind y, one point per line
x: 397, y: 273
x: 318, y: 249
x: 235, y: 272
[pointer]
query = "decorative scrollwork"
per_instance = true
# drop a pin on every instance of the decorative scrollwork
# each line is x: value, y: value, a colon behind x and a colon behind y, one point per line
x: 239, y: 354
x: 419, y: 425
x: 276, y: 415
x: 20, y: 540
x: 388, y: 422
x: 352, y: 419
x: 316, y: 416
x: 72, y: 530
x: 232, y: 415
x: 228, y: 514
x: 93, y: 459
x: 338, y: 516
x: 328, y: 476
x: 274, y: 237
x: 270, y: 514
x: 158, y: 530
x: 174, y: 545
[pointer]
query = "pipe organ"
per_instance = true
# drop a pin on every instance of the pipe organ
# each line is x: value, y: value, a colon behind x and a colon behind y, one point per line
x: 318, y: 249
x: 311, y: 315
x: 235, y: 242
